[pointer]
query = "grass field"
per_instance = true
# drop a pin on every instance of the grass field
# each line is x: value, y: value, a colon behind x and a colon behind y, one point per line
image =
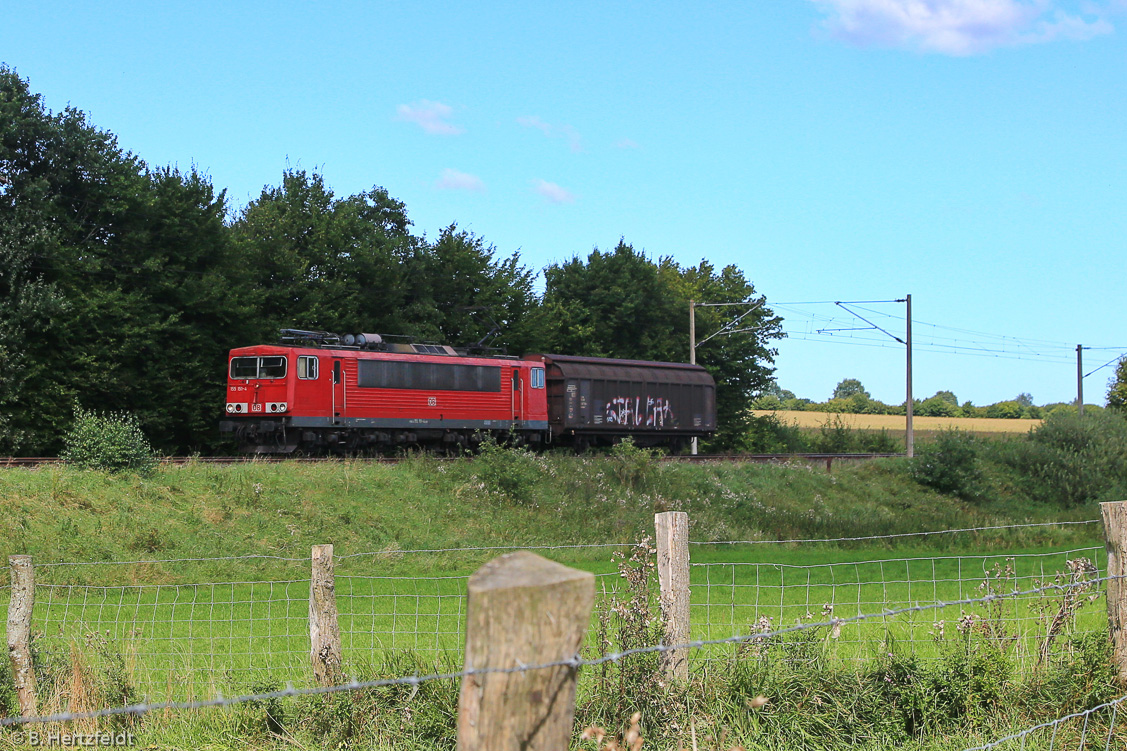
x: 181, y: 641
x: 894, y: 424
x: 217, y: 598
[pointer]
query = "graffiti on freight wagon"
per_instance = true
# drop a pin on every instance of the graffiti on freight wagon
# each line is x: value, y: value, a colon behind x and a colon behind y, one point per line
x: 649, y: 411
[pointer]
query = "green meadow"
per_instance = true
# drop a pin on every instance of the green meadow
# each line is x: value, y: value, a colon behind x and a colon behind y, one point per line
x: 193, y: 581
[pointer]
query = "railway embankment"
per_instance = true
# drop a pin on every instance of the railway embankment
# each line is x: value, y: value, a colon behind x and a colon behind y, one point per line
x: 504, y: 498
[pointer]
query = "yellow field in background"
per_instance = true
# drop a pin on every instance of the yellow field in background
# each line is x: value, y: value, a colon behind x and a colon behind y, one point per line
x: 894, y: 423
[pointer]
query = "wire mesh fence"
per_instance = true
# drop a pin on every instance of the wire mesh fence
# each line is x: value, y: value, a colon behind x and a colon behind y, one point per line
x: 178, y: 641
x: 1095, y: 729
x: 175, y: 639
x: 178, y: 644
x: 730, y: 598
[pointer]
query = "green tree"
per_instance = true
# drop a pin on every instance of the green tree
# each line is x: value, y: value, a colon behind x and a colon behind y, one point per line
x: 773, y: 389
x: 352, y: 264
x: 1117, y: 387
x: 124, y: 273
x: 613, y: 304
x: 937, y: 406
x: 622, y: 304
x: 849, y: 387
x: 30, y: 306
x: 459, y: 289
x: 326, y: 263
x: 1005, y: 410
x: 739, y: 354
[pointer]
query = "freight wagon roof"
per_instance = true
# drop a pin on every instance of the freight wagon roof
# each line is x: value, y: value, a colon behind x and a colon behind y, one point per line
x: 574, y: 366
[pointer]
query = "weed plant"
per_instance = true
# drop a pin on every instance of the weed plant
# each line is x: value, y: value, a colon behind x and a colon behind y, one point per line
x: 507, y: 473
x: 111, y: 441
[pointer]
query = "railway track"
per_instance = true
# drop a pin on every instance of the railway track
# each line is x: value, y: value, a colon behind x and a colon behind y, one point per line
x: 828, y: 459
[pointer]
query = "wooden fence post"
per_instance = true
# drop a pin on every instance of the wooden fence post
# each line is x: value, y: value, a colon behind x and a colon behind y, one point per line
x: 19, y: 632
x: 1115, y: 537
x: 324, y: 631
x: 672, y: 533
x: 522, y: 610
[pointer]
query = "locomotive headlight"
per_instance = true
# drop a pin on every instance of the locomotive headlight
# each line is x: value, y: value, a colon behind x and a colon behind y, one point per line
x: 230, y: 407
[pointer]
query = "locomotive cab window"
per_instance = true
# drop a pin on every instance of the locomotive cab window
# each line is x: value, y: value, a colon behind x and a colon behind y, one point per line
x: 272, y: 367
x: 537, y: 378
x: 250, y: 368
x: 244, y: 367
x: 307, y: 368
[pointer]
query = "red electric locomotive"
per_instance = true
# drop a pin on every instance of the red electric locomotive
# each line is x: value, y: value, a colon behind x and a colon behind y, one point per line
x: 318, y: 391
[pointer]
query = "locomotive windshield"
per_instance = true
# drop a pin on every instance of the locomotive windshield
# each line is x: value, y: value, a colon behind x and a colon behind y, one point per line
x: 247, y: 368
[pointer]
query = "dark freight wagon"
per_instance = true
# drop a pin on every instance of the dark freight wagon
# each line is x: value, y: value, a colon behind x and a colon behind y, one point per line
x: 595, y: 400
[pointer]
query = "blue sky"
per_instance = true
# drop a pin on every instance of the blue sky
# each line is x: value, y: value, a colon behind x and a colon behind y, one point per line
x: 972, y: 153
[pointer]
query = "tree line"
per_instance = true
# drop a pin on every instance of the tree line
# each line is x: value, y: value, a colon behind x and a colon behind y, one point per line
x: 850, y: 396
x: 124, y: 285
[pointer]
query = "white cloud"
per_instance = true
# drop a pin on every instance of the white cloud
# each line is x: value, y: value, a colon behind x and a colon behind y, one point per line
x: 452, y: 179
x: 432, y: 117
x: 552, y: 192
x: 566, y: 132
x: 959, y: 27
x: 535, y: 122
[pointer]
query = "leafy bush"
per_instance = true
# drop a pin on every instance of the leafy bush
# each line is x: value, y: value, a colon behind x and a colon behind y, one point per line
x: 632, y: 463
x: 512, y: 473
x: 882, y: 443
x: 396, y: 716
x: 950, y: 465
x: 1072, y: 460
x: 835, y: 437
x: 770, y: 435
x: 112, y: 441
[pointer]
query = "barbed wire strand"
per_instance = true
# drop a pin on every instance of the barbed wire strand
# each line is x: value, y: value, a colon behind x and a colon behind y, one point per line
x: 574, y: 662
x: 1114, y: 704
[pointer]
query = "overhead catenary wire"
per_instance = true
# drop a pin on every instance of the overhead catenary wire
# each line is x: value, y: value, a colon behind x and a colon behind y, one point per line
x: 971, y: 342
x: 1113, y: 360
